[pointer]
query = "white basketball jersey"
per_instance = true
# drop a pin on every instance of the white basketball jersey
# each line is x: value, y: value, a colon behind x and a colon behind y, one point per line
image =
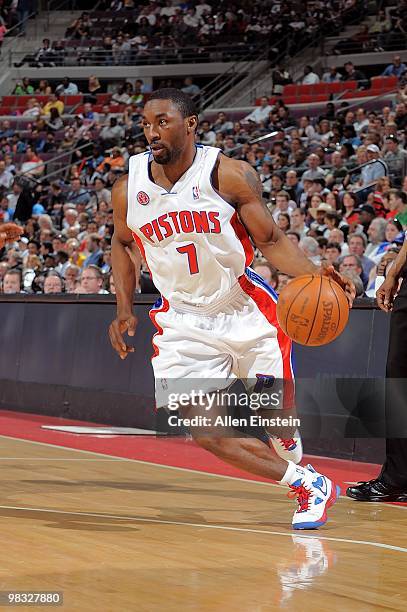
x: 193, y: 242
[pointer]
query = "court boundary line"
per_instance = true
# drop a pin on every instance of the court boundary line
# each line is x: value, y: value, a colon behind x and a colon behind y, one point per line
x: 174, y: 467
x: 209, y: 526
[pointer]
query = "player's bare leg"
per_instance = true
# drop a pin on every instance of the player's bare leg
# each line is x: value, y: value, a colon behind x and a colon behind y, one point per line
x: 315, y: 493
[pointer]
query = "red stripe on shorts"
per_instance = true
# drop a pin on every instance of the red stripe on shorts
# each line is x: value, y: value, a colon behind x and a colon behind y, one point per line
x: 153, y: 313
x: 267, y: 306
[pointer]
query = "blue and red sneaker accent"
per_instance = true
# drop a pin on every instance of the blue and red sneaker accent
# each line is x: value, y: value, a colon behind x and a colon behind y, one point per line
x: 289, y: 449
x: 315, y: 493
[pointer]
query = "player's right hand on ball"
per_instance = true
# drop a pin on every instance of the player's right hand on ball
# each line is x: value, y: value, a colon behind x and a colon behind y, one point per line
x: 117, y: 328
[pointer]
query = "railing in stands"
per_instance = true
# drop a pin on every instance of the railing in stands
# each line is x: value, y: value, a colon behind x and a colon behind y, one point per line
x: 389, y: 41
x: 82, y: 53
x: 306, y: 54
x: 226, y: 80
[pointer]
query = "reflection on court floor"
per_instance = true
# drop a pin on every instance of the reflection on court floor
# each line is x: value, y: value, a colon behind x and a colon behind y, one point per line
x: 118, y: 534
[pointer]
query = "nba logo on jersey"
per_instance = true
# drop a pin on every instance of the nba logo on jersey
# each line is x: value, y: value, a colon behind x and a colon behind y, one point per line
x: 195, y: 192
x: 142, y: 198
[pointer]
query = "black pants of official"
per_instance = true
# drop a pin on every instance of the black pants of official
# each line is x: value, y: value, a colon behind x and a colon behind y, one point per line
x: 394, y: 470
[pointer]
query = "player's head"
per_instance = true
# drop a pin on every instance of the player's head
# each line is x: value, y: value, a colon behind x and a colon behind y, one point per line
x: 170, y: 119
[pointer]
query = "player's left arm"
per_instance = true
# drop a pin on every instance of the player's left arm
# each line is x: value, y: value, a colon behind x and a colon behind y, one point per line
x: 240, y: 184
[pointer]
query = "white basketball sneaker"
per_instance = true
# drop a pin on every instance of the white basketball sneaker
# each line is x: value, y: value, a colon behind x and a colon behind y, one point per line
x: 315, y: 493
x: 288, y: 449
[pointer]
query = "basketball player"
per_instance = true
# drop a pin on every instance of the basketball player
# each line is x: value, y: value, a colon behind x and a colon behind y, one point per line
x: 9, y: 232
x: 191, y: 210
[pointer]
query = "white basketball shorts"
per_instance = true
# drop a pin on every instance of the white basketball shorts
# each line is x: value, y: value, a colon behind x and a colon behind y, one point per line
x: 238, y: 337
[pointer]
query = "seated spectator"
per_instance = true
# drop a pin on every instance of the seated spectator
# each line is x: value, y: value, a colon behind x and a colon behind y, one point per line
x: 91, y: 281
x: 398, y: 206
x: 283, y: 222
x: 95, y: 257
x: 351, y: 74
x: 93, y: 87
x: 332, y: 75
x: 377, y: 239
x: 400, y: 117
x: 71, y: 278
x: 260, y: 113
x: 373, y: 171
x: 314, y: 171
x: 366, y: 215
x: 332, y: 252
x: 349, y: 206
x: 77, y: 194
x: 33, y: 110
x: 67, y: 88
x: 121, y: 97
x: 112, y: 134
x: 267, y: 272
x: 54, y: 123
x: 338, y: 172
x: 100, y: 193
x: 23, y: 88
x: 12, y: 282
x: 190, y: 87
x: 310, y: 77
x: 6, y: 177
x: 205, y: 134
x: 53, y: 283
x: 44, y: 88
x: 396, y: 68
x: 293, y: 186
x: 311, y: 249
x: 297, y: 219
x: 54, y: 102
x: 222, y: 124
x: 115, y: 161
x: 395, y: 157
x: 33, y: 164
x: 357, y: 245
x: 282, y: 205
x: 319, y: 213
x: 350, y: 265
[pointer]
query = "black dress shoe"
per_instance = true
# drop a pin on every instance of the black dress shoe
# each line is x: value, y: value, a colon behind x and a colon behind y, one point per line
x: 377, y: 491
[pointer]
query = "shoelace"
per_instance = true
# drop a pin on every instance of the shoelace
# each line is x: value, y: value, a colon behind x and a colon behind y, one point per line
x: 287, y: 443
x: 302, y: 494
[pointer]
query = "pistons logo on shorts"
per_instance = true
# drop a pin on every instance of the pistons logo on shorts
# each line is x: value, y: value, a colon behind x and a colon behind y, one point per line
x: 142, y: 198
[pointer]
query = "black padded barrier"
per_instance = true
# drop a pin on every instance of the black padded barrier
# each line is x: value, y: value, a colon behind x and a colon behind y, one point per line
x: 56, y: 359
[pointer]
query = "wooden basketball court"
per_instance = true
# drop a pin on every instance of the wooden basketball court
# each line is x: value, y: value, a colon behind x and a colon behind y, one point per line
x: 116, y: 534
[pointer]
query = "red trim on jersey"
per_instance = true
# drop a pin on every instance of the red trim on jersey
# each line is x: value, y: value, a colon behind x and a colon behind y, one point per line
x: 153, y: 313
x: 267, y: 306
x: 137, y: 240
x: 243, y: 236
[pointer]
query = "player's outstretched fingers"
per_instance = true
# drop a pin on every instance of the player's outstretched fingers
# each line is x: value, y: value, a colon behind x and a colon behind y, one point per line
x: 116, y: 340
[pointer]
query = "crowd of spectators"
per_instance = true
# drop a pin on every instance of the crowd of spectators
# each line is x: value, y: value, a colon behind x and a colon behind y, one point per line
x: 387, y: 31
x: 310, y: 170
x: 128, y: 33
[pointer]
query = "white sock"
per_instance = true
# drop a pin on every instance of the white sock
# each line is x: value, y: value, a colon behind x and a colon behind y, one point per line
x: 293, y: 473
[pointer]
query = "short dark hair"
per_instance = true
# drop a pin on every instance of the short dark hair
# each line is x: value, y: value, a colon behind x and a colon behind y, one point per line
x: 402, y: 195
x: 181, y: 100
x: 334, y: 245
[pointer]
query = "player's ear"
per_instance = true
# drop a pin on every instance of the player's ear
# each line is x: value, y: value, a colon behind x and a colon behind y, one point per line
x: 192, y: 123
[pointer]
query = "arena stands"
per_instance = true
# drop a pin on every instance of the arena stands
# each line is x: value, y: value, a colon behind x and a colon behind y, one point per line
x: 331, y: 154
x: 160, y: 33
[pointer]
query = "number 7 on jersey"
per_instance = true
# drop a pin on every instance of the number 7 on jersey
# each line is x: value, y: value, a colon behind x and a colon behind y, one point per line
x: 190, y: 251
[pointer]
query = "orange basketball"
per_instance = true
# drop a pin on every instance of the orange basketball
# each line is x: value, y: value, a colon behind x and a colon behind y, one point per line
x: 312, y: 310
